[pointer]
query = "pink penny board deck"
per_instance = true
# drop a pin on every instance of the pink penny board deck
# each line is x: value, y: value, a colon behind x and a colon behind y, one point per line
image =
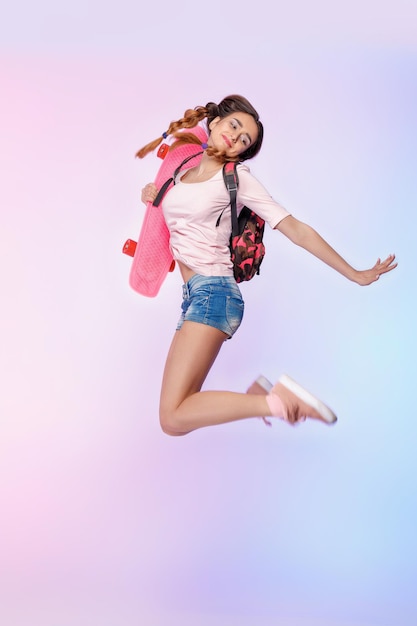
x: 152, y: 258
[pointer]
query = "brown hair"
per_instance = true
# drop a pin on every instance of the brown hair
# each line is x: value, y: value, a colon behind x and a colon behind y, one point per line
x: 228, y: 106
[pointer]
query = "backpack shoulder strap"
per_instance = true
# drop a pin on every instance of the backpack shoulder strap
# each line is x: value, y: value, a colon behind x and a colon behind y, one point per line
x: 167, y: 183
x: 231, y: 180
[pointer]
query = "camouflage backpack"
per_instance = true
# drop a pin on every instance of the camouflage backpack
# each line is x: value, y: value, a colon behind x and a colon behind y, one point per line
x: 246, y: 246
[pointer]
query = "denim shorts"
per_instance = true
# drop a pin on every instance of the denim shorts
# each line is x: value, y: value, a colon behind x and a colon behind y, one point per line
x: 212, y: 300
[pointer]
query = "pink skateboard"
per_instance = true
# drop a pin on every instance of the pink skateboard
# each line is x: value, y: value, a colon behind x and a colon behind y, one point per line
x: 152, y: 258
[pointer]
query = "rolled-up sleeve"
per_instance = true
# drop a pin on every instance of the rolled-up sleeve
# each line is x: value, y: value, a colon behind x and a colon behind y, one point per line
x: 252, y: 193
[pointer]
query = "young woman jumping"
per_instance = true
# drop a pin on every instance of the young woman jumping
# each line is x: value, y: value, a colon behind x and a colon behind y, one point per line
x: 197, y: 213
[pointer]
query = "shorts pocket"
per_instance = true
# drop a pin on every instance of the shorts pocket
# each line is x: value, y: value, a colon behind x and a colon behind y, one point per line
x: 235, y: 308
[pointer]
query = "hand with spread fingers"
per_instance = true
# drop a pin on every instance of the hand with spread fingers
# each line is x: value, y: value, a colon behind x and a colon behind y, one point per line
x: 367, y: 277
x: 149, y: 193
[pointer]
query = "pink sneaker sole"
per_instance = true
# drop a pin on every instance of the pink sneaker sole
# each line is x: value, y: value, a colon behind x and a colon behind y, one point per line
x: 260, y: 386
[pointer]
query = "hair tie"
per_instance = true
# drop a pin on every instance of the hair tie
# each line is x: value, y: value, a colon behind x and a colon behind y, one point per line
x: 204, y: 145
x: 164, y: 135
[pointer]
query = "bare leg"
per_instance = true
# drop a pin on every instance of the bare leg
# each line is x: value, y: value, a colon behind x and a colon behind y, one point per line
x: 183, y: 407
x: 261, y: 389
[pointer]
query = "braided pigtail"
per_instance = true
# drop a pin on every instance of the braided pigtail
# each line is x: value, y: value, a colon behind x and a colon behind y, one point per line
x: 150, y: 147
x: 182, y: 138
x: 220, y: 155
x: 191, y: 118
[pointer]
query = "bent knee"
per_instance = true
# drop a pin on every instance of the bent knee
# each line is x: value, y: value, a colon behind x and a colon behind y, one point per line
x: 170, y: 424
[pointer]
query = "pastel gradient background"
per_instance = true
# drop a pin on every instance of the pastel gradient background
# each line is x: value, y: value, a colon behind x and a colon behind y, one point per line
x: 104, y: 520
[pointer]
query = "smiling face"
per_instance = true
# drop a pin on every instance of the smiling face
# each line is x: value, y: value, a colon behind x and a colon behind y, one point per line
x: 233, y: 134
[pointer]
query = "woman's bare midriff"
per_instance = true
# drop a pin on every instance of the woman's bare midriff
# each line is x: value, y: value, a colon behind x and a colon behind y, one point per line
x: 186, y: 272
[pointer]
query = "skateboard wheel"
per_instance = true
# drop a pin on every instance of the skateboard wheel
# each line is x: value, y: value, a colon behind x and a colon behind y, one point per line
x: 162, y: 150
x: 129, y: 247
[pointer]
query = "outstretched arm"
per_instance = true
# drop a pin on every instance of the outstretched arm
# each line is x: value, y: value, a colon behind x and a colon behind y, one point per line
x: 306, y: 237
